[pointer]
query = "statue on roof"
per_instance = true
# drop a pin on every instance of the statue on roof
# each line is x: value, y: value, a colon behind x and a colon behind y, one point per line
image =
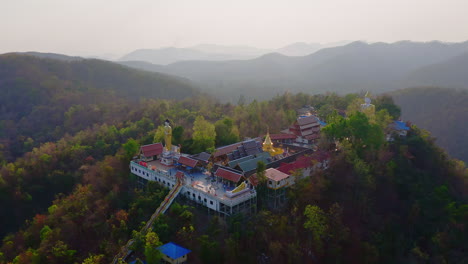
x: 168, y: 135
x: 368, y: 108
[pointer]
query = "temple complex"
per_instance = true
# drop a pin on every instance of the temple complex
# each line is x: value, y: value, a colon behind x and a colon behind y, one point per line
x: 224, y: 181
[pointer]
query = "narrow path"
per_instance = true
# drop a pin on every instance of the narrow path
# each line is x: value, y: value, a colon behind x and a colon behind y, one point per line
x: 125, y: 251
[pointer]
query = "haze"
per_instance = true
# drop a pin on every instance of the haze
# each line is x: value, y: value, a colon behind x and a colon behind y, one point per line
x: 89, y: 27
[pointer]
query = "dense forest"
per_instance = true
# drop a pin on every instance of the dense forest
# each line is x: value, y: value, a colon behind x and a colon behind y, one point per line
x: 41, y: 98
x: 442, y: 111
x: 68, y: 196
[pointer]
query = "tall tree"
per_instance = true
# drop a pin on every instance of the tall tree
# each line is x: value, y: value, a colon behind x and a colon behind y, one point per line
x: 204, y: 135
x: 152, y: 253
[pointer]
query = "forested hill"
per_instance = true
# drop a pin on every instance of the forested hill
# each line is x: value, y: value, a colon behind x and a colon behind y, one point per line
x: 43, y: 98
x: 73, y: 200
x: 92, y: 74
x: 442, y: 111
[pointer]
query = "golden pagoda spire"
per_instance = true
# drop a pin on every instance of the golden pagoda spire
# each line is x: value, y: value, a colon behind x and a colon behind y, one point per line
x: 267, y: 144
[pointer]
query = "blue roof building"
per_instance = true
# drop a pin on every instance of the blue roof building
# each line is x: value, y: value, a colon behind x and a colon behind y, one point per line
x: 173, y: 253
x: 400, y: 125
x: 399, y: 128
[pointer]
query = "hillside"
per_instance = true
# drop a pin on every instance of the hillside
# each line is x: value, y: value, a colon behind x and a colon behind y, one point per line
x: 441, y: 111
x: 452, y: 73
x: 377, y: 67
x: 74, y: 200
x: 44, y: 98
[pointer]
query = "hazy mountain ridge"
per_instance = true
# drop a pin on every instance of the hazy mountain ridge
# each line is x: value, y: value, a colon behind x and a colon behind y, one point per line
x: 378, y: 67
x: 212, y: 52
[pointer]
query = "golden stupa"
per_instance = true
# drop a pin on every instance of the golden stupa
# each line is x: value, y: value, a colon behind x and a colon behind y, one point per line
x: 268, y: 146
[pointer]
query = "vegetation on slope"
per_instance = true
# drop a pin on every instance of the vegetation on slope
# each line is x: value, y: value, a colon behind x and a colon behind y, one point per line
x: 380, y: 202
x: 441, y: 111
x: 43, y: 99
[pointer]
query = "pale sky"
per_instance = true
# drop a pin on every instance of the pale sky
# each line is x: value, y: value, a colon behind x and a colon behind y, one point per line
x: 96, y: 27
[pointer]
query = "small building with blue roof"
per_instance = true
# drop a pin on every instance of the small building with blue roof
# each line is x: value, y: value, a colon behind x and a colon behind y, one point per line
x: 398, y: 128
x: 401, y: 127
x: 173, y: 253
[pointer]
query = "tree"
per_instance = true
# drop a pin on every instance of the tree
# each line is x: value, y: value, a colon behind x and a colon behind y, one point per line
x: 324, y: 111
x: 177, y: 134
x: 386, y: 102
x: 261, y: 167
x: 383, y: 119
x: 131, y: 148
x: 316, y: 223
x: 204, y: 135
x: 226, y: 132
x: 159, y: 134
x: 152, y: 253
x: 93, y: 259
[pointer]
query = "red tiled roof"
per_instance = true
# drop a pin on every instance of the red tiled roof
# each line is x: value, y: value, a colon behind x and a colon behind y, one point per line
x: 226, y: 149
x: 228, y: 175
x: 313, y: 136
x: 230, y: 148
x: 287, y: 168
x: 179, y: 175
x: 151, y: 149
x: 188, y: 161
x: 300, y: 163
x: 276, y: 175
x: 302, y: 121
x: 282, y: 136
x: 253, y: 180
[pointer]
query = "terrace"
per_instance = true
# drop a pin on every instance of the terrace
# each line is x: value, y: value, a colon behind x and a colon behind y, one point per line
x: 199, y: 180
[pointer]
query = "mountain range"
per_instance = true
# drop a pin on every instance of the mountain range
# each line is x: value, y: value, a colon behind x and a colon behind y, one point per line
x: 377, y: 67
x: 212, y: 52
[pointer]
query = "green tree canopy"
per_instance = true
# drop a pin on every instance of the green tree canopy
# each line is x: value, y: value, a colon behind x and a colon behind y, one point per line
x: 152, y: 253
x: 204, y: 135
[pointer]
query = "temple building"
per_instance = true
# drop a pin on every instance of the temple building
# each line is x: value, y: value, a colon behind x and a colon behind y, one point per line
x: 277, y: 182
x: 306, y: 129
x: 173, y: 253
x: 268, y: 147
x: 151, y: 152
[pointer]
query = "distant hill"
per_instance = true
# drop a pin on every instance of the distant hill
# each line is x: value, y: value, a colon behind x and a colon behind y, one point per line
x: 442, y: 111
x: 44, y: 98
x: 212, y: 52
x: 93, y: 74
x: 377, y: 67
x: 235, y: 50
x: 304, y: 49
x: 171, y: 55
x: 452, y: 72
x: 54, y: 56
x: 300, y: 49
